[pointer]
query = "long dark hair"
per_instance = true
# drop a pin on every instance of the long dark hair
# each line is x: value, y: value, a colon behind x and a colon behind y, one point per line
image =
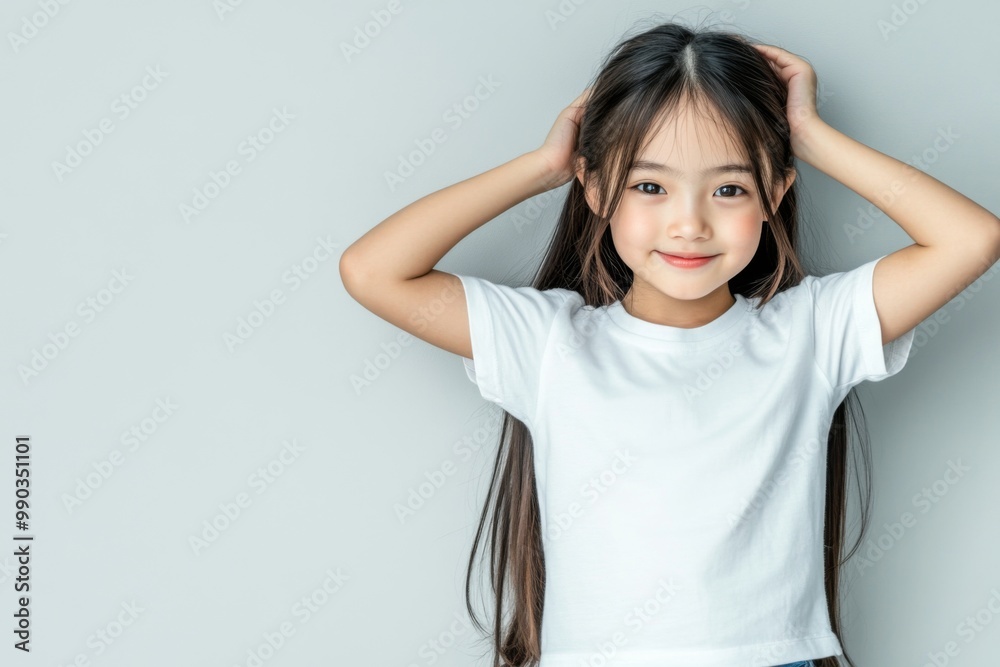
x: 639, y: 84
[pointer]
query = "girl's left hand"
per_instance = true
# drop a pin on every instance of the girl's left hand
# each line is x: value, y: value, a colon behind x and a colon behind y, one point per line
x: 800, y: 78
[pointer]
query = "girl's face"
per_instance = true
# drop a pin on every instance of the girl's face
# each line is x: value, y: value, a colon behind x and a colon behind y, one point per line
x: 702, y: 201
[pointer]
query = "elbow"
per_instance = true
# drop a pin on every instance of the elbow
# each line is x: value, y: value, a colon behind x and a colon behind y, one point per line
x: 981, y: 247
x: 992, y: 243
x: 350, y: 272
x: 996, y: 239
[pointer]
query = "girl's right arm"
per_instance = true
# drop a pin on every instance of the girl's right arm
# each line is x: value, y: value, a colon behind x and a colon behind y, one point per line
x: 390, y: 270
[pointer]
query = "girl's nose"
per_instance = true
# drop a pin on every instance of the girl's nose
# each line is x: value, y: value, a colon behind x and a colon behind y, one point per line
x: 688, y: 222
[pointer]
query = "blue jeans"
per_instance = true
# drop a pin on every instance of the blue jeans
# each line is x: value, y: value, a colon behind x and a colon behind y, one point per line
x: 807, y: 663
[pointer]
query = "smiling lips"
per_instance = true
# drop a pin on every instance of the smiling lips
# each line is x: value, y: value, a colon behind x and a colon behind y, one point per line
x: 686, y: 260
x: 687, y: 255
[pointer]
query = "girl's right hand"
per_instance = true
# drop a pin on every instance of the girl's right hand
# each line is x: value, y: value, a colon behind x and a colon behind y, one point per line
x: 559, y: 149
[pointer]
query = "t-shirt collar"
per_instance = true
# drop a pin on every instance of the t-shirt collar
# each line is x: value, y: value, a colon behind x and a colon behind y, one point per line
x: 621, y: 317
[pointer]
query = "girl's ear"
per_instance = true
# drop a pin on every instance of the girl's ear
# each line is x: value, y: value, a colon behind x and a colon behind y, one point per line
x: 589, y: 190
x: 780, y: 190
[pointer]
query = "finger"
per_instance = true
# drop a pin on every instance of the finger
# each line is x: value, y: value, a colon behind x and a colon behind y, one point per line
x: 770, y: 47
x: 778, y: 54
x: 578, y: 105
x: 767, y: 51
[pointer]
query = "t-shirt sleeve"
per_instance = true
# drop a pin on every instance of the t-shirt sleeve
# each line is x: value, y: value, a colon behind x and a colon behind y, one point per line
x: 846, y: 329
x: 509, y: 327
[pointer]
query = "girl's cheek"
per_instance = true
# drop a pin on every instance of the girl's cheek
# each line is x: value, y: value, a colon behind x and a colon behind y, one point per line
x: 745, y: 222
x: 637, y: 224
x: 746, y: 230
x: 631, y: 235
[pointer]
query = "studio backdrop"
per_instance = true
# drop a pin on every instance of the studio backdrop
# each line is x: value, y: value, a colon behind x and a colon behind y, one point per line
x: 212, y: 455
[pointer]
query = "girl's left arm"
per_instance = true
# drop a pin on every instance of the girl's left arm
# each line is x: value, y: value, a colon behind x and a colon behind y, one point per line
x: 956, y: 239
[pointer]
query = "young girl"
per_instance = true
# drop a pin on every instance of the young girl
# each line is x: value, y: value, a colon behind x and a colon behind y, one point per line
x: 672, y: 490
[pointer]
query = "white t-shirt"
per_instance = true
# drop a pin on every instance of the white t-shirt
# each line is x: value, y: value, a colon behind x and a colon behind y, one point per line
x: 681, y: 472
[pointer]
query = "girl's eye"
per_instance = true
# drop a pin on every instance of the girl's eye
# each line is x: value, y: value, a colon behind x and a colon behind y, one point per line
x: 732, y: 186
x: 640, y: 188
x: 646, y: 192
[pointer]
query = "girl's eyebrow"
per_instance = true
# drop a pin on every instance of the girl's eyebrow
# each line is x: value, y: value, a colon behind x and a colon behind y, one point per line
x: 721, y: 169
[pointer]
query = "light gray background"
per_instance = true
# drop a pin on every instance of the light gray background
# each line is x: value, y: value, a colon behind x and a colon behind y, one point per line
x: 363, y: 449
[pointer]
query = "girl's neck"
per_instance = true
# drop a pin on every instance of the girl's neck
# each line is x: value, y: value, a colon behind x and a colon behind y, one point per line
x: 651, y: 305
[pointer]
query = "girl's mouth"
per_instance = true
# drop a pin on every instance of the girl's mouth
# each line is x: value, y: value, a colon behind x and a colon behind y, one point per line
x: 685, y: 262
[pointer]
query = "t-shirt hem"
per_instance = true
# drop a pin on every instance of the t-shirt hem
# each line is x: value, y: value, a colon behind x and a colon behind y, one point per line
x: 767, y: 654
